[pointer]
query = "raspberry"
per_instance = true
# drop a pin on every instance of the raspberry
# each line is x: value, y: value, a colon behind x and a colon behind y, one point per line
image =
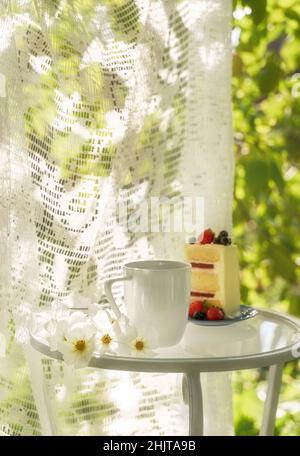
x: 214, y: 313
x: 195, y: 306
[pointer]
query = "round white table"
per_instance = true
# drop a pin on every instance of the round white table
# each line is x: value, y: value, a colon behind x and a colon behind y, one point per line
x: 269, y: 339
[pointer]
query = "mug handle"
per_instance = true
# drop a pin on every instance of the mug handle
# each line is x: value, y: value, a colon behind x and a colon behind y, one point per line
x: 108, y: 291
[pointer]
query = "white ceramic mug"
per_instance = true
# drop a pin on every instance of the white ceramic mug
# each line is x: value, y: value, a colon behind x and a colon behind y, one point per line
x: 156, y: 297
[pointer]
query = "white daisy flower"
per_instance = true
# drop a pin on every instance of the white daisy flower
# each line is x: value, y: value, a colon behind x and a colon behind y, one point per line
x: 130, y: 341
x: 140, y: 346
x: 106, y: 342
x: 78, y: 344
x: 57, y: 328
x: 106, y: 339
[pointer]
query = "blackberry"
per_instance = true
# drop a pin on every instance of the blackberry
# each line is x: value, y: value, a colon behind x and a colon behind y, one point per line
x: 223, y: 238
x: 223, y: 233
x: 199, y: 315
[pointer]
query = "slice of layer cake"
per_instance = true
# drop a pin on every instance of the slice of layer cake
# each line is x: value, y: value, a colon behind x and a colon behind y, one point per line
x: 215, y: 274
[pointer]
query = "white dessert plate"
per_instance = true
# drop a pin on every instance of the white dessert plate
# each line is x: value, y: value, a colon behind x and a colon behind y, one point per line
x: 246, y: 312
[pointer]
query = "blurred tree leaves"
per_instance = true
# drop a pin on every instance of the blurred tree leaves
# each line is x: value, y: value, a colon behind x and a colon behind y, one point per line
x: 256, y: 175
x: 269, y: 76
x: 259, y: 9
x: 266, y: 102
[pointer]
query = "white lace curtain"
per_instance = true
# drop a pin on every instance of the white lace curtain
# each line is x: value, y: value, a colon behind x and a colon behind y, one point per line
x: 102, y: 102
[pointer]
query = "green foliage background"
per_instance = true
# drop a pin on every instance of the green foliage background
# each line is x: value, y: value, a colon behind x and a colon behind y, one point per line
x: 266, y: 110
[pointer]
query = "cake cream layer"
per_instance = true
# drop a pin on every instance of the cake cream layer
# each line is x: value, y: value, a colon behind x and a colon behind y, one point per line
x: 218, y: 283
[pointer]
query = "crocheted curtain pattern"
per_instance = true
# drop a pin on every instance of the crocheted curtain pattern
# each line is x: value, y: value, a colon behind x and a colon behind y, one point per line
x: 102, y: 102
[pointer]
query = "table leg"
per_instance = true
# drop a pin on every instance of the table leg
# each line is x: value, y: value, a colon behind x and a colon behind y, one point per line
x: 192, y: 395
x: 270, y: 408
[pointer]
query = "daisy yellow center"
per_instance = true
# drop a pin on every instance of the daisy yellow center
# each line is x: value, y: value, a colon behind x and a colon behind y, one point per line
x: 106, y: 339
x: 80, y: 345
x: 139, y: 345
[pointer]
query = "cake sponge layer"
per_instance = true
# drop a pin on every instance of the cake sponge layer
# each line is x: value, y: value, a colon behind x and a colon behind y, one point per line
x: 204, y: 281
x: 206, y: 253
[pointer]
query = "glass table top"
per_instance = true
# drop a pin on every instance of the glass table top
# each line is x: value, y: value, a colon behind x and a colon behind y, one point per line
x: 261, y: 336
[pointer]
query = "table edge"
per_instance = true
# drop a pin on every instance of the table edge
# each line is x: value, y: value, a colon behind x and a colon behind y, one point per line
x: 172, y: 365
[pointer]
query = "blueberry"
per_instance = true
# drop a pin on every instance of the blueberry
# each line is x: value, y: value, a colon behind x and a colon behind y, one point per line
x: 192, y: 240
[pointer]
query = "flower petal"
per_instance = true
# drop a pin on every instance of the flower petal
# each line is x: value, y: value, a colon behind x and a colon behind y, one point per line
x: 124, y: 331
x: 80, y: 331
